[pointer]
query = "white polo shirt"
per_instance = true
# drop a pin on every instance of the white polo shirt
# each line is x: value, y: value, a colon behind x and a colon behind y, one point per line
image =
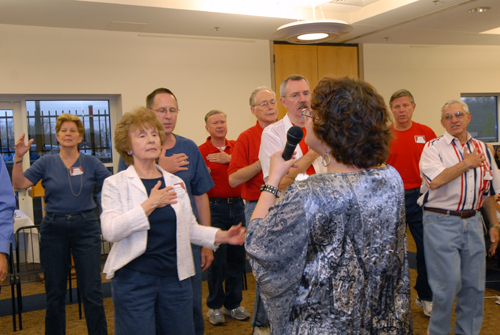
x: 466, y: 192
x: 274, y: 139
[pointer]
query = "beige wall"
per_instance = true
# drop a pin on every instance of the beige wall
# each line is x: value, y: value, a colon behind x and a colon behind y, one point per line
x: 204, y: 74
x: 219, y: 74
x: 434, y: 75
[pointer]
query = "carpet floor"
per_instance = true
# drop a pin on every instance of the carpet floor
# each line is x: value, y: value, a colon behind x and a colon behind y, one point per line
x: 33, y: 322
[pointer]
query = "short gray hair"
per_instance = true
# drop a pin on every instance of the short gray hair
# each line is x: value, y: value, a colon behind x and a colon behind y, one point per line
x: 451, y: 102
x: 293, y: 77
x: 399, y: 94
x: 214, y: 112
x: 253, y: 96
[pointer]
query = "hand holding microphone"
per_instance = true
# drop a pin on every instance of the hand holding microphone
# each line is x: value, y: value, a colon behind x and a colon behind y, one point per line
x: 293, y: 137
x: 281, y: 161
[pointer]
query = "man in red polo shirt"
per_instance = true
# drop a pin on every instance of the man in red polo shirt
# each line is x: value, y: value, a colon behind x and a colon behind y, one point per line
x: 245, y: 170
x: 406, y: 148
x: 226, y: 210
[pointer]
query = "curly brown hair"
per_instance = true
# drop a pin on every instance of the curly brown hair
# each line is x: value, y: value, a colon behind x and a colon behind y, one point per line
x: 139, y: 118
x: 351, y: 118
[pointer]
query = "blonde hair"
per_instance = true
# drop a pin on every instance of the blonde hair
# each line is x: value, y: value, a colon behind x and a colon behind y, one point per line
x: 65, y: 117
x: 139, y: 118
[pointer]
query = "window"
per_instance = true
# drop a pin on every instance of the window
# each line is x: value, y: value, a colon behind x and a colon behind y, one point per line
x: 484, y: 110
x: 42, y: 116
x: 7, y: 140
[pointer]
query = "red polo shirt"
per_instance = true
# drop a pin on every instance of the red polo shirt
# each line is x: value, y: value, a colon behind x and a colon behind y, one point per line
x: 406, y: 149
x: 218, y: 172
x: 246, y: 152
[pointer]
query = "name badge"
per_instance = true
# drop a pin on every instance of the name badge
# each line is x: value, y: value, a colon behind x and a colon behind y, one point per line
x: 76, y: 171
x: 488, y: 175
x: 420, y: 139
x: 179, y: 188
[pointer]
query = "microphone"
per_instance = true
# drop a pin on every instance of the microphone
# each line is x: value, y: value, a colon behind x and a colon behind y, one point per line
x: 293, y: 137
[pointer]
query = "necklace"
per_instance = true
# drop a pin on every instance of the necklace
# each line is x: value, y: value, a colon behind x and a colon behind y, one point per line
x: 81, y: 178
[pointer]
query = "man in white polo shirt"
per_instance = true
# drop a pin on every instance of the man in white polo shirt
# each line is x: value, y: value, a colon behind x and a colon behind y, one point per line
x: 460, y: 175
x: 295, y: 95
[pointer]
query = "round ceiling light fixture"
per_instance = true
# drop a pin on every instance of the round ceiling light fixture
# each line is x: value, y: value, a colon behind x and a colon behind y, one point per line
x: 315, y: 31
x: 479, y: 10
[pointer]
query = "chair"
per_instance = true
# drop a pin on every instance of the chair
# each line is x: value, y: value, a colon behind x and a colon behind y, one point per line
x: 12, y: 282
x: 27, y: 261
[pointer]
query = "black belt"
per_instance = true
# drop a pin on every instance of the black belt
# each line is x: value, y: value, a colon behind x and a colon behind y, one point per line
x: 461, y: 214
x: 226, y: 200
x: 413, y: 190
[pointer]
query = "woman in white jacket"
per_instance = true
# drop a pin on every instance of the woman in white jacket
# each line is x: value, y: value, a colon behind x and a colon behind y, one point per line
x: 147, y: 213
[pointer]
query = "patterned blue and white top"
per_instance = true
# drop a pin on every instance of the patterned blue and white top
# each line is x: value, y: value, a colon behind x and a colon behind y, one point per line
x: 331, y: 257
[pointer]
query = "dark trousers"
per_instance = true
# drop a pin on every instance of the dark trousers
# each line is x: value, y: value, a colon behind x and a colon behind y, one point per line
x: 78, y: 234
x: 147, y: 304
x: 199, y: 322
x: 225, y: 275
x: 414, y: 221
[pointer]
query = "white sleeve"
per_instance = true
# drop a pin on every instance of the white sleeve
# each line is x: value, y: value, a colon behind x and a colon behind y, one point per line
x: 270, y: 143
x: 431, y: 164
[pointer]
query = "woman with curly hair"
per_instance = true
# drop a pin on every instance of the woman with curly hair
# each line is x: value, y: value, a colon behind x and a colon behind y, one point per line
x: 330, y: 257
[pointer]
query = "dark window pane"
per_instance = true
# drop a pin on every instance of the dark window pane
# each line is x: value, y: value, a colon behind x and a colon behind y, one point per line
x: 42, y: 116
x: 484, y: 110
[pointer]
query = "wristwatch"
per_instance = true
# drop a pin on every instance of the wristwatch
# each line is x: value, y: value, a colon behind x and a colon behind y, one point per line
x: 271, y: 189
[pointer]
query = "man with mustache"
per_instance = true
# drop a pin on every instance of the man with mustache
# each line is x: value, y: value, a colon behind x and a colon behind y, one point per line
x: 295, y: 96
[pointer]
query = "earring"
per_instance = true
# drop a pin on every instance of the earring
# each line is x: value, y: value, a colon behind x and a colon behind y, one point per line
x: 326, y: 157
x: 130, y: 152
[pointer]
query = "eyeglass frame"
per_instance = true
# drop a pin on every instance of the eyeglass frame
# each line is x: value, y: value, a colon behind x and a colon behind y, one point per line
x: 459, y: 115
x: 165, y: 110
x: 305, y: 113
x: 296, y: 95
x: 266, y: 103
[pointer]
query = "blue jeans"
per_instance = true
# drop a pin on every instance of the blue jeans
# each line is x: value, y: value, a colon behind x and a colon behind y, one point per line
x: 149, y: 304
x: 259, y: 318
x: 414, y: 221
x: 456, y: 266
x: 199, y: 322
x: 60, y: 236
x: 228, y: 266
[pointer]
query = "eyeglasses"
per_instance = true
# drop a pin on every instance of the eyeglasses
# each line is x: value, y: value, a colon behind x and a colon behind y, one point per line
x: 458, y: 115
x: 305, y: 113
x: 266, y: 103
x: 172, y: 110
x: 296, y: 96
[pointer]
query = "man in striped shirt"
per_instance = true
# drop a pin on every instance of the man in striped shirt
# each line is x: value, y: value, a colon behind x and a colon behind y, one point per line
x: 459, y: 176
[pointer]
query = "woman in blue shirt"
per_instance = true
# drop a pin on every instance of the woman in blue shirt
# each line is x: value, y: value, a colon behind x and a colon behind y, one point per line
x: 69, y: 226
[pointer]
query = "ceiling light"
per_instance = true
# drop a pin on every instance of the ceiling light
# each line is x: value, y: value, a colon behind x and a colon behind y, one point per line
x: 479, y: 10
x: 312, y: 31
x: 315, y: 31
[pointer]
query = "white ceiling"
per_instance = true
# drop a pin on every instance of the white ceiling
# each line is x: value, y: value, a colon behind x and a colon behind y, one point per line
x: 425, y: 22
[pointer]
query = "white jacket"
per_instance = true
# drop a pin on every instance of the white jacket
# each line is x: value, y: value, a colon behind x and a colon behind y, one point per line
x: 123, y: 221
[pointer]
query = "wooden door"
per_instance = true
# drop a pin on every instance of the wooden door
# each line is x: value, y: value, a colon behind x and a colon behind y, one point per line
x: 337, y: 61
x: 294, y: 59
x: 313, y: 62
